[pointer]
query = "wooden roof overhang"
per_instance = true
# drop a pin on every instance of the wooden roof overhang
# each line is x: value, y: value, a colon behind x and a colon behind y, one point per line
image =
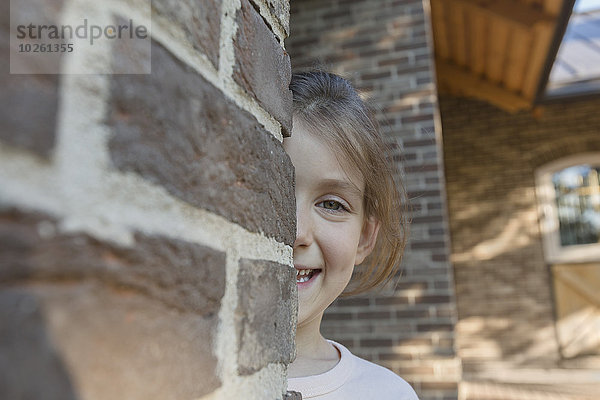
x: 500, y: 51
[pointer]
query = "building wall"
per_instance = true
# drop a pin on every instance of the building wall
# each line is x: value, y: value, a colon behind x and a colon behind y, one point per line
x: 145, y: 233
x: 503, y: 283
x: 384, y: 48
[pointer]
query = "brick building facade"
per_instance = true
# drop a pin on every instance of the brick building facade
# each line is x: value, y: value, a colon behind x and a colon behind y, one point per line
x: 141, y: 214
x: 384, y: 48
x: 506, y: 304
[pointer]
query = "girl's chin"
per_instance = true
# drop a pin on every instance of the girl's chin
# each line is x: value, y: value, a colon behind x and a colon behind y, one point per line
x: 306, y: 319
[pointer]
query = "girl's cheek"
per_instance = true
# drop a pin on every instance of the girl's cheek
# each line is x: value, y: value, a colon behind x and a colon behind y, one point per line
x: 338, y: 253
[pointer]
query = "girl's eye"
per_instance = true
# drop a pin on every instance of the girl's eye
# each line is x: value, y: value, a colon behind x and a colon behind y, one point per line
x: 333, y: 205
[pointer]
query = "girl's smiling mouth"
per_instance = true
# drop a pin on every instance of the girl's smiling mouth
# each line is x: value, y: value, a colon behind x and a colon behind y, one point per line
x: 304, y: 276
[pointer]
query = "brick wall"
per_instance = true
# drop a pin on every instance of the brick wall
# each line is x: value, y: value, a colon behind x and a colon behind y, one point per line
x: 144, y: 224
x: 384, y: 48
x: 502, y: 280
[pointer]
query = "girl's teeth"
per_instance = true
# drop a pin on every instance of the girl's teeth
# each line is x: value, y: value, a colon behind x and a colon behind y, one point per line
x: 303, y: 275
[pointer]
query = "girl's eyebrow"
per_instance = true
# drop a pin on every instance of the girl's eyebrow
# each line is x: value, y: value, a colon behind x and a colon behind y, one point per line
x: 341, y: 185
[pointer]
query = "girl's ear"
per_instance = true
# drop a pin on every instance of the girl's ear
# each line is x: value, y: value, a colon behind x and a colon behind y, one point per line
x: 368, y: 238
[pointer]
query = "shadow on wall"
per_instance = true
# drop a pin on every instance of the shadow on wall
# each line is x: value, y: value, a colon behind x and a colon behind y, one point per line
x: 505, y: 289
x: 503, y: 285
x: 512, y: 230
x: 31, y: 367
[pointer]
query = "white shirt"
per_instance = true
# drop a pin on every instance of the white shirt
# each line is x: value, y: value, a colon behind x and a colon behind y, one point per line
x: 352, y: 379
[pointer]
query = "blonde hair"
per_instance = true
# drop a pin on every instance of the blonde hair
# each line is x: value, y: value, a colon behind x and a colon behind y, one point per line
x: 331, y: 109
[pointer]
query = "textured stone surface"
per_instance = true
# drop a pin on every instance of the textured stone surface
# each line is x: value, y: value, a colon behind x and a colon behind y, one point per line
x: 262, y: 67
x: 201, y: 147
x: 31, y: 367
x: 28, y: 103
x: 280, y: 9
x: 84, y: 340
x: 73, y: 309
x: 131, y: 55
x: 185, y: 276
x: 199, y: 19
x: 266, y: 307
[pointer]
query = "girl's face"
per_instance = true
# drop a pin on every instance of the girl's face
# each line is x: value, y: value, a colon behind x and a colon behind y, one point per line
x: 332, y: 234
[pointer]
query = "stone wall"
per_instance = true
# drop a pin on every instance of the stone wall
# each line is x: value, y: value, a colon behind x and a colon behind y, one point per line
x: 503, y: 283
x: 384, y: 48
x: 145, y: 233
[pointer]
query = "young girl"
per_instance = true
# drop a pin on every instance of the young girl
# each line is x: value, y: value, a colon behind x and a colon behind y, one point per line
x: 347, y: 205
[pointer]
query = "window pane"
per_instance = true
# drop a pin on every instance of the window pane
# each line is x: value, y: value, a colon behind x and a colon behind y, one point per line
x: 578, y: 203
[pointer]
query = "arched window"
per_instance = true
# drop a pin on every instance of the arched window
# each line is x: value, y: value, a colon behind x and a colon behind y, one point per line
x: 569, y: 196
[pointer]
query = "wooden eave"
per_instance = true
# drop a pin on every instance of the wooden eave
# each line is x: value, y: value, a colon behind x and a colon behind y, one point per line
x: 500, y: 51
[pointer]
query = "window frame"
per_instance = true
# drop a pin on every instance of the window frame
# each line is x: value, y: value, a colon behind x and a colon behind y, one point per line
x: 554, y: 252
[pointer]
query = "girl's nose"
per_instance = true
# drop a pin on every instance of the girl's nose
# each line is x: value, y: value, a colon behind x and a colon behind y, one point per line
x: 304, y: 234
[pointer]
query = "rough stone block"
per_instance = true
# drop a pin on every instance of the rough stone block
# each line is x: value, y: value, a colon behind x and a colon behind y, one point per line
x: 267, y: 310
x: 199, y: 19
x: 281, y: 10
x: 134, y: 54
x: 31, y: 367
x: 88, y: 340
x: 28, y: 103
x: 177, y: 130
x: 262, y: 67
x: 76, y: 314
x: 185, y: 276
